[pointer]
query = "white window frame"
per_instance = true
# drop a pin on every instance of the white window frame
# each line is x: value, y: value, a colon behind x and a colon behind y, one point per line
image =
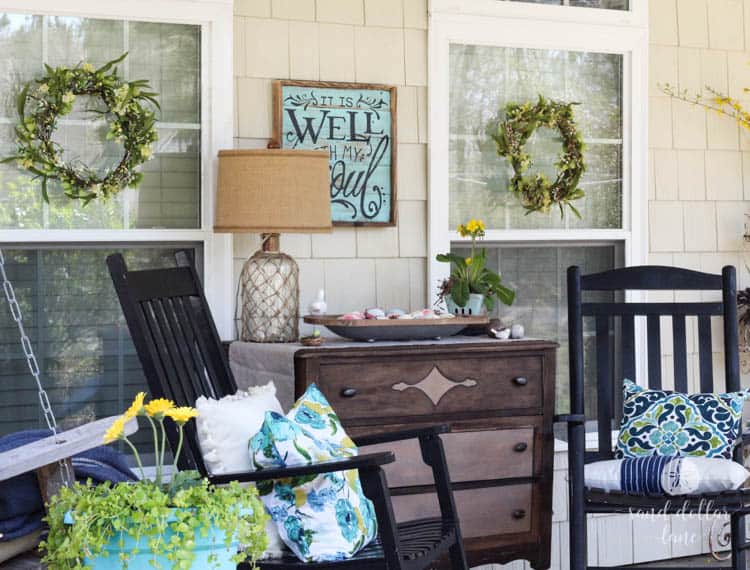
x: 216, y: 20
x: 526, y: 25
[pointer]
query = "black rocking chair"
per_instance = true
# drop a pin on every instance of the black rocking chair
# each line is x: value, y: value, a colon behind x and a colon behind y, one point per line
x: 182, y: 357
x: 605, y: 316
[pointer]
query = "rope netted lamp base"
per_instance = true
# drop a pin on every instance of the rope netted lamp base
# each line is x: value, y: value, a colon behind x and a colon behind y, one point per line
x: 270, y: 295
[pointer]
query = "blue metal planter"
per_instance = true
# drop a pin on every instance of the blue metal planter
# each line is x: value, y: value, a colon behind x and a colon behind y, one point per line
x: 209, y: 550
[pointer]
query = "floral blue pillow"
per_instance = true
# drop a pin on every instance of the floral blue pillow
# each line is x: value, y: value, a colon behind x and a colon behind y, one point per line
x: 659, y: 422
x: 320, y: 517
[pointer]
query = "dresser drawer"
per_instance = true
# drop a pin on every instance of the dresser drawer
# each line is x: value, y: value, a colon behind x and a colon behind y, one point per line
x: 472, y: 456
x: 482, y: 512
x: 360, y: 389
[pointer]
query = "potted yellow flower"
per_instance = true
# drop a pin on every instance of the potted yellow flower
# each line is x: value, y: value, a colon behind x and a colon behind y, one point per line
x: 184, y: 524
x: 472, y: 285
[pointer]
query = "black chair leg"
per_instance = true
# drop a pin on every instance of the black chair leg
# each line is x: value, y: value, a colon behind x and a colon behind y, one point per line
x: 458, y: 556
x: 739, y: 555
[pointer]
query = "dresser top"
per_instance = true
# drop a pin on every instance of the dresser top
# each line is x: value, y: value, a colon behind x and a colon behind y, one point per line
x: 336, y: 344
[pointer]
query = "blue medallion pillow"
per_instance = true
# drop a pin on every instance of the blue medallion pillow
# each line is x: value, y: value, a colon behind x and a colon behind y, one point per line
x: 320, y: 517
x: 660, y: 422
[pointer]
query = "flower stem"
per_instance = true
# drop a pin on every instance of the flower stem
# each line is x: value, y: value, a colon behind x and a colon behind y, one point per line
x: 179, y: 447
x: 137, y: 457
x: 156, y: 450
x: 163, y: 443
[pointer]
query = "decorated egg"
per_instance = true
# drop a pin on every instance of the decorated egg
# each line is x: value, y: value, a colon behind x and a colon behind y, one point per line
x: 375, y: 313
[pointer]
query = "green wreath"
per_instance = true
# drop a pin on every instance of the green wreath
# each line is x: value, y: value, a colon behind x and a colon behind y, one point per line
x: 130, y: 123
x: 537, y: 193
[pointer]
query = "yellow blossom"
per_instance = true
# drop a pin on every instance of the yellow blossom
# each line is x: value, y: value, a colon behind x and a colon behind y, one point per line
x: 116, y: 430
x: 182, y: 415
x: 461, y: 229
x: 88, y: 67
x: 157, y: 408
x: 136, y: 408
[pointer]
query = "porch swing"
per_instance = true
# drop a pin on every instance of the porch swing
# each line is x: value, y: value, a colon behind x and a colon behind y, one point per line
x: 49, y: 458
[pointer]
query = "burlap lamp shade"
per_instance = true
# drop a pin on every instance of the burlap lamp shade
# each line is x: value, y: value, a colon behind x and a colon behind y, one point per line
x: 268, y: 192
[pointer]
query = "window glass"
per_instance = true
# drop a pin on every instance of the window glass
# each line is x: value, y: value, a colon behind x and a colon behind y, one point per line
x: 538, y: 276
x: 168, y: 55
x: 483, y: 79
x: 87, y: 361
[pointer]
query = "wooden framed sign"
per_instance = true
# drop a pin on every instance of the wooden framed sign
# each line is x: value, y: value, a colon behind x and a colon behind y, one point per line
x: 356, y: 122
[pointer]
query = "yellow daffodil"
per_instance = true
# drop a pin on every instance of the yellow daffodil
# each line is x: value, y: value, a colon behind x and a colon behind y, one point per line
x: 157, y: 408
x: 182, y: 415
x: 136, y: 408
x: 116, y: 430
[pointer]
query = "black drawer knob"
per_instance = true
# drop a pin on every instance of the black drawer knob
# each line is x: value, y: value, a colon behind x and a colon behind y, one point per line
x: 349, y: 392
x: 520, y: 447
x: 520, y: 381
x: 518, y: 514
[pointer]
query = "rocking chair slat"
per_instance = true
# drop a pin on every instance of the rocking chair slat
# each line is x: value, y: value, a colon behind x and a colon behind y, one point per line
x: 603, y: 384
x: 679, y: 348
x: 56, y: 448
x: 628, y: 347
x: 653, y: 327
x: 705, y: 364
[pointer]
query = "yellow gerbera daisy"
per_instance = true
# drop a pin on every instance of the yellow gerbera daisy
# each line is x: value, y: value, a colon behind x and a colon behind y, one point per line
x: 157, y: 408
x: 116, y: 430
x: 136, y: 408
x: 182, y: 415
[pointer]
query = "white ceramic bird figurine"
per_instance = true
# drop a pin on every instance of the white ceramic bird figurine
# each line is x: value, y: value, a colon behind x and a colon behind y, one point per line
x: 319, y: 305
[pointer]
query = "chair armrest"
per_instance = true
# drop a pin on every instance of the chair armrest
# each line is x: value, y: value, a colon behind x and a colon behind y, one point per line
x: 415, y: 433
x: 366, y: 461
x: 570, y: 418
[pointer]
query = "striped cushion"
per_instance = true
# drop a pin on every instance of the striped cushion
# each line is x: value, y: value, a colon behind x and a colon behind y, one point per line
x: 666, y: 475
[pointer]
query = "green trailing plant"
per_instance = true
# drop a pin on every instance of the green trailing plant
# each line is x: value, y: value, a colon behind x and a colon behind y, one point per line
x: 163, y: 518
x: 471, y: 274
x: 537, y: 193
x: 127, y: 108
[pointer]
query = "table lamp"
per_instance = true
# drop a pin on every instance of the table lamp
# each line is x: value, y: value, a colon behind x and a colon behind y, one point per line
x: 268, y: 192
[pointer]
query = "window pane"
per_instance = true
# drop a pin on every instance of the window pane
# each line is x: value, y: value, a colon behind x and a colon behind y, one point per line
x: 605, y: 4
x: 538, y: 276
x: 168, y: 55
x: 483, y: 79
x: 73, y: 318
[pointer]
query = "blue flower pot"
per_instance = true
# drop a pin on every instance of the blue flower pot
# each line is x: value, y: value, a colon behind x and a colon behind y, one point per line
x: 209, y: 550
x: 473, y: 307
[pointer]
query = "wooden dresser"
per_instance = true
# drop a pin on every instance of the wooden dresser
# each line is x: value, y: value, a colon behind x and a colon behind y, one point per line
x: 498, y: 397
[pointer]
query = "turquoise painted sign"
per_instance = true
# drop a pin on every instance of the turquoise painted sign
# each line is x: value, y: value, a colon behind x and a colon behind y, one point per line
x: 355, y: 123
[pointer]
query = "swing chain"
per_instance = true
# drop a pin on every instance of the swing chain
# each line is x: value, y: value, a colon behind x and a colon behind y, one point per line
x: 28, y: 351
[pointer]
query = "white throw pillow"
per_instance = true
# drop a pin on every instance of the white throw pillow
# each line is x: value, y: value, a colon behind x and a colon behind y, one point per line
x: 224, y: 428
x: 673, y: 476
